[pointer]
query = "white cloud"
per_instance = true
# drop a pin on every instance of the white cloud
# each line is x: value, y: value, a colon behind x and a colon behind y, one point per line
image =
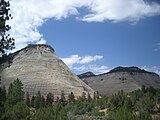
x: 29, y: 15
x: 121, y: 10
x: 93, y: 68
x: 88, y: 59
x: 152, y: 69
x: 83, y: 64
x: 76, y: 59
x: 70, y: 61
x: 41, y: 41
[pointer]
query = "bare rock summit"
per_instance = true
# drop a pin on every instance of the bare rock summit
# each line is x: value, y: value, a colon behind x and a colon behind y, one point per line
x: 127, y: 79
x: 39, y: 69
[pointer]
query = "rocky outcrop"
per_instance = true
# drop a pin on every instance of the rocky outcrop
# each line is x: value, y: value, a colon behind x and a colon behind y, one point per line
x: 87, y: 74
x: 122, y: 78
x: 39, y: 69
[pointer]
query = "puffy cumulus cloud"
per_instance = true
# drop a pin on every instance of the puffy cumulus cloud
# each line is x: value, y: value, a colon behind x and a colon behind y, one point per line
x: 29, y: 15
x: 93, y: 68
x: 88, y: 59
x: 70, y: 61
x: 83, y: 64
x: 152, y: 69
x: 121, y: 10
x: 76, y: 59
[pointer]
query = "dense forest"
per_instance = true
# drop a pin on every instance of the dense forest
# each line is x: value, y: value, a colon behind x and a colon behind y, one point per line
x: 141, y: 104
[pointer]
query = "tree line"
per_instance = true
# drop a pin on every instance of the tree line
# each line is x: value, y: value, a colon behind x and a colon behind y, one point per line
x: 16, y: 105
x: 142, y: 104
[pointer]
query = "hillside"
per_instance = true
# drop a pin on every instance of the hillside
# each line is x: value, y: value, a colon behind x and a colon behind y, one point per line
x: 122, y: 78
x: 39, y: 69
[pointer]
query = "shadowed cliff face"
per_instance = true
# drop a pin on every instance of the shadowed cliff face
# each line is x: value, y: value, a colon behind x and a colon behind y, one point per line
x: 122, y: 78
x: 38, y: 67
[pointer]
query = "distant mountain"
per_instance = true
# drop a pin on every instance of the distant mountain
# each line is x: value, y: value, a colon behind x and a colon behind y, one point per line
x: 129, y: 69
x: 122, y: 78
x: 39, y: 69
x: 87, y: 74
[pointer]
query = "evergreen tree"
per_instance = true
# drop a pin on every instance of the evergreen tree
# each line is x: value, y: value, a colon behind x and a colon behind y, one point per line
x: 45, y: 114
x: 97, y: 95
x: 28, y: 99
x: 38, y: 103
x: 2, y: 99
x: 49, y: 99
x: 43, y: 104
x: 63, y: 99
x: 143, y: 88
x: 83, y: 96
x: 6, y: 42
x: 89, y: 97
x: 15, y: 93
x: 2, y: 94
x: 122, y: 113
x: 71, y: 98
x: 20, y: 111
x: 94, y: 96
x: 32, y: 101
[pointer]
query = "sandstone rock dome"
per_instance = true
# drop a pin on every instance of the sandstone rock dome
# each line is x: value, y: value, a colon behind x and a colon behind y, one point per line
x: 39, y: 69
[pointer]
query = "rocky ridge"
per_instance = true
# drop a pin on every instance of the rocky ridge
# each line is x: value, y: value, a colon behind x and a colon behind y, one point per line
x: 87, y: 74
x: 127, y: 79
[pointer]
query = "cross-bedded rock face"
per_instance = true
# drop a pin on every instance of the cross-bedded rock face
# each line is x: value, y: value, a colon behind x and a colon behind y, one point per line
x: 39, y: 69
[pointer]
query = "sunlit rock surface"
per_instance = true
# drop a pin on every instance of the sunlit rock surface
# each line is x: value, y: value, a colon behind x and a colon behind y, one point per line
x: 39, y: 69
x: 122, y: 78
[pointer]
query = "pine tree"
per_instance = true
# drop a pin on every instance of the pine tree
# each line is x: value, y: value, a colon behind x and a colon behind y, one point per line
x: 43, y: 104
x: 97, y: 96
x: 2, y: 99
x: 38, y: 100
x: 28, y: 99
x: 71, y: 98
x: 20, y: 111
x: 2, y: 94
x: 63, y: 99
x: 94, y: 96
x: 49, y: 99
x: 6, y: 42
x: 89, y: 97
x: 32, y: 101
x: 83, y: 96
x: 15, y: 93
x: 143, y: 88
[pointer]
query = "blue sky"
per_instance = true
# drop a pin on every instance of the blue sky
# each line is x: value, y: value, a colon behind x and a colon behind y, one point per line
x: 120, y: 44
x: 92, y: 35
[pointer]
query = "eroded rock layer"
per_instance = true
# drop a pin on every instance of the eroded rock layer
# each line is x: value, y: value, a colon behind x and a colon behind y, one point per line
x: 39, y: 69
